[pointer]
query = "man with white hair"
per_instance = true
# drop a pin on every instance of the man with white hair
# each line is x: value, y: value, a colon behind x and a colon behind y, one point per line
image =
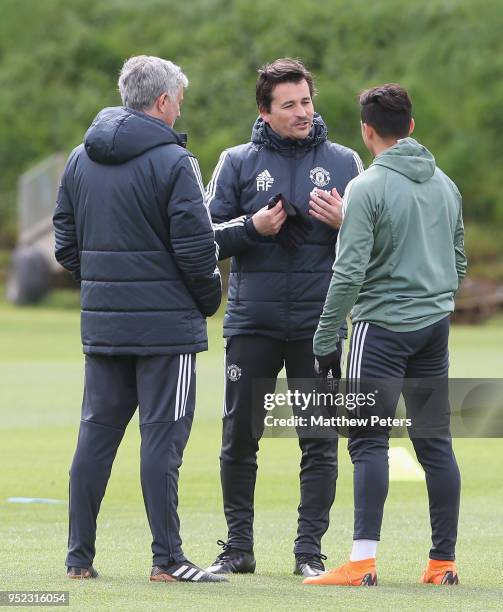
x: 132, y: 226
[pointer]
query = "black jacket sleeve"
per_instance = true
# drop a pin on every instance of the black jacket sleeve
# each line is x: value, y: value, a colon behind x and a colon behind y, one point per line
x: 234, y: 233
x: 67, y: 249
x: 192, y: 236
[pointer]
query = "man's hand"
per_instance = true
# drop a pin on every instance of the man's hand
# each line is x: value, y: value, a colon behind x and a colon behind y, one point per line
x: 268, y: 221
x: 332, y: 362
x: 326, y: 206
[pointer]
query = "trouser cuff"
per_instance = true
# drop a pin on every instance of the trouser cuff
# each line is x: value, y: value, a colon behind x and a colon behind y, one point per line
x: 166, y: 561
x: 375, y: 537
x: 302, y: 548
x: 240, y: 545
x: 442, y: 556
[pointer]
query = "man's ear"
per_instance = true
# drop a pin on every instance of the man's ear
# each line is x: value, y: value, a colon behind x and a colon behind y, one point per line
x: 412, y: 125
x: 162, y: 102
x: 368, y: 131
x: 264, y: 114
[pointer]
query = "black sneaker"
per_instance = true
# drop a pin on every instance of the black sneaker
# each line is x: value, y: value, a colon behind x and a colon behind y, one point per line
x: 233, y: 561
x: 183, y: 572
x: 309, y: 565
x: 81, y: 573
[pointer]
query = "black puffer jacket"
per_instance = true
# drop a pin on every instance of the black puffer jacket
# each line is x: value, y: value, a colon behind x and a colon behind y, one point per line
x: 131, y: 224
x: 272, y: 291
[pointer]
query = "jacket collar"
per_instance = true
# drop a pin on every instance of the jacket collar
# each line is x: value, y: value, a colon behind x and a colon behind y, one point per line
x: 263, y: 135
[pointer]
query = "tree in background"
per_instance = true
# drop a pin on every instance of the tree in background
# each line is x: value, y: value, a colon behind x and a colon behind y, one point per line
x: 59, y: 62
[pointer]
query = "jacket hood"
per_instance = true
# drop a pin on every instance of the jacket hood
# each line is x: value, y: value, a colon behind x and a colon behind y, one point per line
x: 118, y: 134
x: 263, y: 135
x: 409, y: 158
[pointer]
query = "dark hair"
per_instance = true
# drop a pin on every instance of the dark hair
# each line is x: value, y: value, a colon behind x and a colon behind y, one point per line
x: 388, y: 109
x: 284, y: 70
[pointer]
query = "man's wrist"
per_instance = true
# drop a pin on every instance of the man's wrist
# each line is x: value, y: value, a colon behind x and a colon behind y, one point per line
x: 251, y: 230
x: 321, y: 353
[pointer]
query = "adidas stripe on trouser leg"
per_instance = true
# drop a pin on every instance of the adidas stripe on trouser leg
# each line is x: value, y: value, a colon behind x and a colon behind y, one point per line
x: 379, y: 353
x: 164, y: 388
x: 166, y: 415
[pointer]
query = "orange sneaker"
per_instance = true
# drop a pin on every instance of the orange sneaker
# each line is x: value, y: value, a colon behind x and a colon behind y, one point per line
x: 440, y: 572
x: 353, y: 573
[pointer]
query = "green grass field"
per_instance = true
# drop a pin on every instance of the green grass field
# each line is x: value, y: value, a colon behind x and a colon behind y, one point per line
x: 41, y: 369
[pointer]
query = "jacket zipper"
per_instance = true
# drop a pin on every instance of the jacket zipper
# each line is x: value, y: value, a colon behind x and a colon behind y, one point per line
x: 288, y: 264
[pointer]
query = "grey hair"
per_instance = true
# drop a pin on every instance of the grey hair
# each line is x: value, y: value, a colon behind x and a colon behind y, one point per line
x: 144, y: 78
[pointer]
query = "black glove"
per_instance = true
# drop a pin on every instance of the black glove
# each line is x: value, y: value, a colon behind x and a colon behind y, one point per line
x: 331, y: 363
x: 296, y: 227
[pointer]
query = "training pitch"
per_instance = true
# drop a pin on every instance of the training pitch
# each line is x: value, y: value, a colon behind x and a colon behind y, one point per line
x: 41, y: 369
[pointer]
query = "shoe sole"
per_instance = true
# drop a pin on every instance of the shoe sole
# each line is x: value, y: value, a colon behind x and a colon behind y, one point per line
x: 368, y: 580
x: 88, y: 576
x: 449, y: 579
x: 169, y: 578
x: 163, y: 578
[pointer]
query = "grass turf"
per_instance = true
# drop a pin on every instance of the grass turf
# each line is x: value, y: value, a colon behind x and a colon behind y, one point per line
x: 41, y: 374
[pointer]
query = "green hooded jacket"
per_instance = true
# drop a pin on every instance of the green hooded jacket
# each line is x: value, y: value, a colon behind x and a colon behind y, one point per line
x: 400, y: 254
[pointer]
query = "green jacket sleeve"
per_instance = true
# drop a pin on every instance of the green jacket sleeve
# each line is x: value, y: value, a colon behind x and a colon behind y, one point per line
x: 459, y: 248
x: 356, y: 239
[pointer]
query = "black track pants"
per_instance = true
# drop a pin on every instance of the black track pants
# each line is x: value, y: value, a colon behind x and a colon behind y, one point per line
x: 164, y: 388
x: 248, y: 358
x: 378, y: 353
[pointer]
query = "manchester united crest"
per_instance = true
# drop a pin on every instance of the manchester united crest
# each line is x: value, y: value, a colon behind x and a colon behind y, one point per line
x: 233, y: 372
x: 319, y: 176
